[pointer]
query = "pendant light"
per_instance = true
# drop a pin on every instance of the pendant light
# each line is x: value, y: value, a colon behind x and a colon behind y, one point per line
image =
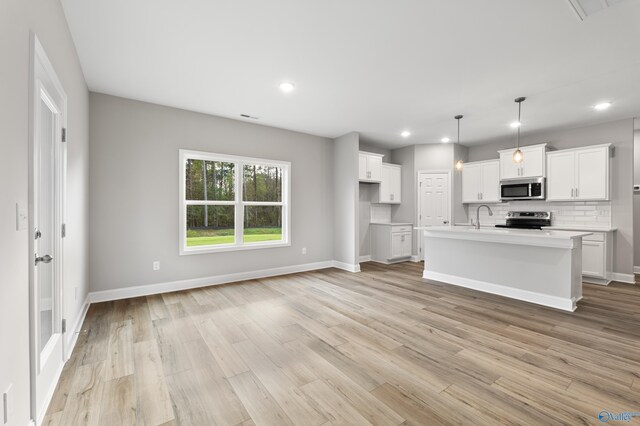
x: 518, y: 156
x: 459, y: 162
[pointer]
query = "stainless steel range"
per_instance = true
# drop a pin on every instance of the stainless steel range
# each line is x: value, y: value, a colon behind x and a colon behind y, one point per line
x: 527, y: 220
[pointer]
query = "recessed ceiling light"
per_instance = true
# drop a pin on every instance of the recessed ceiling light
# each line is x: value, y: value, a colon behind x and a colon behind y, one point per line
x: 602, y: 106
x: 445, y: 140
x: 405, y: 134
x: 287, y: 86
x: 515, y: 124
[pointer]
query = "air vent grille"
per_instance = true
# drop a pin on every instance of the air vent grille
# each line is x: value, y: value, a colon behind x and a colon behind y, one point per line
x: 586, y: 8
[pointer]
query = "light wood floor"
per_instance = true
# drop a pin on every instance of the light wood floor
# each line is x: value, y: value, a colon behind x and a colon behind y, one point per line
x: 380, y: 347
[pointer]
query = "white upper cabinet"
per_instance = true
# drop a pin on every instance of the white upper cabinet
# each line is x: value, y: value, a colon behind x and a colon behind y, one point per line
x: 580, y: 174
x: 471, y: 175
x: 362, y: 166
x: 560, y: 173
x: 532, y: 166
x: 490, y: 181
x: 481, y: 182
x: 369, y: 167
x: 390, y: 191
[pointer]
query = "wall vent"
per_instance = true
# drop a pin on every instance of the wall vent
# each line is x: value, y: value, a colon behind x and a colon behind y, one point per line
x: 249, y: 116
x: 586, y: 8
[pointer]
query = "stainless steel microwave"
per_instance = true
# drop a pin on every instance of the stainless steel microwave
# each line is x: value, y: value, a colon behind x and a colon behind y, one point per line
x: 523, y: 189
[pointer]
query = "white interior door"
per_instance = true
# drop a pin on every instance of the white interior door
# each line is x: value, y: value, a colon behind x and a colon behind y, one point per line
x: 433, y: 202
x: 47, y: 189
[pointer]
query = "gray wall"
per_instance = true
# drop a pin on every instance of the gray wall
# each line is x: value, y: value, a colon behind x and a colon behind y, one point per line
x: 377, y: 150
x: 428, y: 157
x: 405, y: 212
x: 346, y: 199
x: 636, y: 197
x: 367, y: 193
x: 46, y: 19
x: 134, y: 192
x: 620, y: 133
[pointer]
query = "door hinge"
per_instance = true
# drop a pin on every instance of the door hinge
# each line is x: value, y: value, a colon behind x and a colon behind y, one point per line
x: 64, y: 134
x: 64, y: 230
x: 64, y: 326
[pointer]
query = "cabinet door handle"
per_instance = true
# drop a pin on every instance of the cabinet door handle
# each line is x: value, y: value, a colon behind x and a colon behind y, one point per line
x: 577, y: 193
x: 481, y: 195
x: 572, y: 191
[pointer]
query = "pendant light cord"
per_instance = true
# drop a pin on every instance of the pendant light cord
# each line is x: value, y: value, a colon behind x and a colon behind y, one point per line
x: 458, y: 117
x: 519, y: 122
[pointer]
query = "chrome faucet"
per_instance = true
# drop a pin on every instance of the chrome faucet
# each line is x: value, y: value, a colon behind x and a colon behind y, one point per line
x: 478, y: 214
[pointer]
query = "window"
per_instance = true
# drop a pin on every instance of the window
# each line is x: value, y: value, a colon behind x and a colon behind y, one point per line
x: 232, y: 203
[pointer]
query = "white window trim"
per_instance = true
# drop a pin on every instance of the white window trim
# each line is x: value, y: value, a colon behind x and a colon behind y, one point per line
x: 239, y: 162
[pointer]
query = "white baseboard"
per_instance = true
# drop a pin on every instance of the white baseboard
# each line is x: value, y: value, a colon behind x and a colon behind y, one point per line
x: 49, y: 395
x: 74, y: 332
x: 366, y: 258
x: 598, y: 281
x: 622, y: 278
x: 415, y: 258
x: 565, y: 304
x: 636, y: 269
x: 146, y: 290
x: 346, y: 266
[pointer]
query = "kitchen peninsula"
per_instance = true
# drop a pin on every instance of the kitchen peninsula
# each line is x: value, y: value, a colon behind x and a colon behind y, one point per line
x: 537, y: 266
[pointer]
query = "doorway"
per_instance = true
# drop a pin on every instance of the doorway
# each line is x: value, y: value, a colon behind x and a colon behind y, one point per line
x: 47, y: 163
x: 434, y: 201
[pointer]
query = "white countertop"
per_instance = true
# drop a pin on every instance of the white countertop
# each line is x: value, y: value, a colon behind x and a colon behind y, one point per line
x: 392, y: 223
x: 579, y: 228
x: 542, y: 238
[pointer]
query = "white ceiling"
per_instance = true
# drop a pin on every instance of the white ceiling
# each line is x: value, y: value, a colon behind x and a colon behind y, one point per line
x: 372, y: 66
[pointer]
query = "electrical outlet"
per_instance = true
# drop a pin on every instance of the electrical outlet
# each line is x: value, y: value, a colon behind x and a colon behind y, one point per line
x: 22, y: 218
x: 7, y: 402
x: 156, y: 265
x: 304, y: 250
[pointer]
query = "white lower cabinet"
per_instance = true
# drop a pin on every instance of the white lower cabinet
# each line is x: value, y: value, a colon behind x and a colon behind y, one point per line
x: 391, y: 242
x: 594, y: 255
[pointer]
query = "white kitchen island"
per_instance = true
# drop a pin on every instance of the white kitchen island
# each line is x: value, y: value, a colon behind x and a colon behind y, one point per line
x: 543, y: 267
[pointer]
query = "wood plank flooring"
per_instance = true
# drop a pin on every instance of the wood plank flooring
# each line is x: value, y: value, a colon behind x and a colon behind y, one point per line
x: 380, y: 347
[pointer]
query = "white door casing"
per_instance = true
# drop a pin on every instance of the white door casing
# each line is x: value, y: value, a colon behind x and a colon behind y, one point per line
x: 434, y: 201
x: 47, y: 165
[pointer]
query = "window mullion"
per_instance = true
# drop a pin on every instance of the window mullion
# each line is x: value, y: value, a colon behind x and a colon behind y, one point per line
x: 239, y: 210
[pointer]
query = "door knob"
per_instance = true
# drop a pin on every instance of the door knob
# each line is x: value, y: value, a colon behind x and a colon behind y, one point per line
x: 44, y: 259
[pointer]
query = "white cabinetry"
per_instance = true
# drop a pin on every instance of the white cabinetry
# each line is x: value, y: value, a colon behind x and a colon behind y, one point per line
x: 369, y: 167
x: 533, y: 164
x: 391, y: 242
x: 580, y: 174
x: 390, y: 191
x: 596, y: 257
x: 481, y: 182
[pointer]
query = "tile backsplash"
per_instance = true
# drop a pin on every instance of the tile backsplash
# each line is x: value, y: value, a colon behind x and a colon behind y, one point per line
x: 576, y: 213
